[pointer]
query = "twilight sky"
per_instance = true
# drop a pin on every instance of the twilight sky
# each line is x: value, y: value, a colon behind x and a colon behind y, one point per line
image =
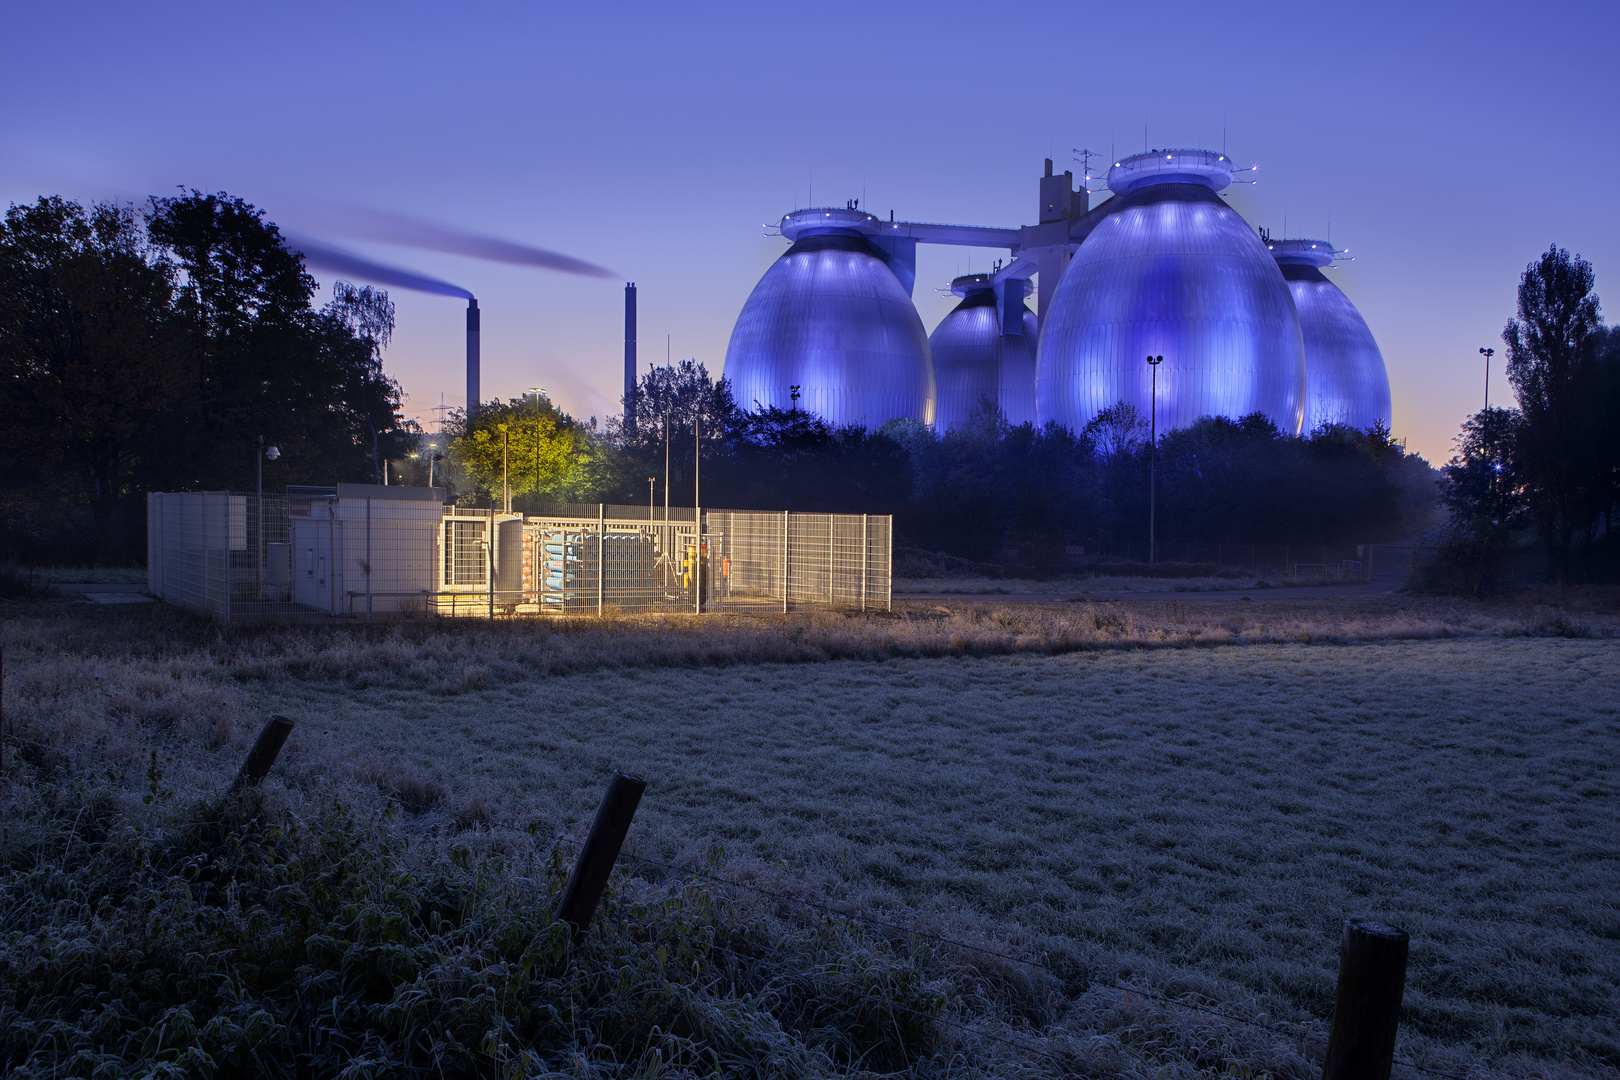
x: 1449, y: 144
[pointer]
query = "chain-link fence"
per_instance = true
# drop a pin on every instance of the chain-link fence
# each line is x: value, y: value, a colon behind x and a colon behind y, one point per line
x: 371, y: 552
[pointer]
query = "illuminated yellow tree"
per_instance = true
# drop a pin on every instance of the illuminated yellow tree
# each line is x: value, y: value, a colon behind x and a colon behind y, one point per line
x: 547, y: 453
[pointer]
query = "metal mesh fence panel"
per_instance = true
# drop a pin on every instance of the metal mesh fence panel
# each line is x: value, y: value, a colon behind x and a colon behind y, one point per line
x: 378, y: 552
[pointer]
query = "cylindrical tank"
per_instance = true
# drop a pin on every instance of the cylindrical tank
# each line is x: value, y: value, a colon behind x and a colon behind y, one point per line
x: 831, y: 319
x: 974, y: 362
x: 1345, y: 379
x: 1172, y: 271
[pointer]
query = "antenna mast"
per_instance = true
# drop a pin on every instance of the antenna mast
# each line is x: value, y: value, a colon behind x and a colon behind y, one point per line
x: 1084, y: 158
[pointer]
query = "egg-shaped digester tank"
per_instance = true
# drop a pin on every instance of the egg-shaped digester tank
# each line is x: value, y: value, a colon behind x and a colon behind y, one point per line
x: 1345, y: 378
x: 830, y: 318
x: 975, y: 362
x: 1171, y: 271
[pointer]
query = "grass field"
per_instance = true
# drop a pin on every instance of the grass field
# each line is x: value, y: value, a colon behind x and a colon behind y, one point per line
x: 1131, y: 816
x: 1190, y: 801
x: 1099, y: 584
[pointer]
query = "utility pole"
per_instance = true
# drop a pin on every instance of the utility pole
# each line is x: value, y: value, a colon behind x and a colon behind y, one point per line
x: 1487, y: 354
x: 271, y: 452
x: 537, y: 391
x: 1153, y: 467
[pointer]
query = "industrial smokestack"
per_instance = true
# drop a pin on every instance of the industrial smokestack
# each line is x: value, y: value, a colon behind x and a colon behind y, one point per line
x: 472, y: 358
x: 630, y: 356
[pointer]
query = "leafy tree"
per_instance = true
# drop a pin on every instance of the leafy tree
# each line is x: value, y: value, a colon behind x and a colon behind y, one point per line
x: 1483, y: 488
x: 149, y: 351
x: 1484, y: 482
x: 677, y: 397
x: 1553, y: 365
x: 368, y: 315
x: 1118, y: 431
x: 88, y: 355
x: 547, y: 454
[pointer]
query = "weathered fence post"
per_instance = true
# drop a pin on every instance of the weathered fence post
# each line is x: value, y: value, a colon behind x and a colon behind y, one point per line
x: 263, y: 755
x: 586, y: 884
x: 1367, y: 1008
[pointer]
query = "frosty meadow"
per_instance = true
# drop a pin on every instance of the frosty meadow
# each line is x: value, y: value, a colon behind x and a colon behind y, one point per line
x: 1183, y: 799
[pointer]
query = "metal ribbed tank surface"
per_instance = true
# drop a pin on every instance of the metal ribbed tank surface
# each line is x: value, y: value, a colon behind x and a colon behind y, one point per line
x: 974, y: 362
x: 1171, y: 271
x: 1345, y: 379
x: 831, y: 318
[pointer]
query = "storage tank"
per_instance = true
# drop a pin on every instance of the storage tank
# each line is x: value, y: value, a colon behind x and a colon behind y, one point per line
x: 974, y: 361
x: 832, y: 319
x: 1170, y: 270
x: 1345, y: 379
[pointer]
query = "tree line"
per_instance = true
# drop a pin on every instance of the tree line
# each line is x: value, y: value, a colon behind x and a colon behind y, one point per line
x: 990, y: 491
x: 149, y: 348
x: 1544, y: 475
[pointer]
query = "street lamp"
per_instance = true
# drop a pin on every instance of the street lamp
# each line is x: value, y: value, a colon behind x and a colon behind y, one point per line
x: 1487, y: 354
x: 1153, y: 467
x: 259, y: 456
x: 650, y: 481
x: 537, y: 391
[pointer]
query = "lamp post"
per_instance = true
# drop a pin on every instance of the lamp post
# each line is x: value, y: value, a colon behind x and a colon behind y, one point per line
x: 537, y: 391
x: 259, y: 456
x: 1153, y: 459
x: 433, y: 452
x: 1487, y: 354
x: 650, y: 481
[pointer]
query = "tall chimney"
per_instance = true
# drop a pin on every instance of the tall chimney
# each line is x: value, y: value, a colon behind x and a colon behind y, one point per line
x: 472, y: 358
x: 630, y: 356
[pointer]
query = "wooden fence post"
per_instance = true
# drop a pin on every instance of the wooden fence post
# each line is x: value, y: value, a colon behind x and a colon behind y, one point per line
x: 590, y: 876
x: 263, y: 755
x: 1367, y: 1008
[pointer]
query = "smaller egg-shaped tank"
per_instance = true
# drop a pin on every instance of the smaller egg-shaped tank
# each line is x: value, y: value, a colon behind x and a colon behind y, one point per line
x: 975, y: 362
x: 1170, y: 270
x: 831, y: 322
x: 1345, y: 379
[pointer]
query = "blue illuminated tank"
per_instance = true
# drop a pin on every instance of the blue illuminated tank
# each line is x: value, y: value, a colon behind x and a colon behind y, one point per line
x: 1345, y: 380
x: 1170, y: 270
x: 831, y: 318
x: 974, y: 362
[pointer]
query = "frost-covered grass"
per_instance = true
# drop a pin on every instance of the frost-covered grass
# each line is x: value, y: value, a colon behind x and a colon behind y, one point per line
x: 1184, y: 797
x: 1139, y: 816
x: 1066, y: 585
x: 100, y: 575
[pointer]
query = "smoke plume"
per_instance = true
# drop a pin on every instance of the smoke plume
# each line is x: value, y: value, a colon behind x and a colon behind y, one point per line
x: 347, y: 262
x: 398, y: 229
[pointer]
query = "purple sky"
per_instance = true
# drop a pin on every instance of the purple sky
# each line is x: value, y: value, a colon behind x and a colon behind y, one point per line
x: 1449, y: 143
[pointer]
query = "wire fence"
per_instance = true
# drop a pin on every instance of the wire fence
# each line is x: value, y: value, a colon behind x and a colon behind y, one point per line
x: 1304, y: 562
x: 375, y: 552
